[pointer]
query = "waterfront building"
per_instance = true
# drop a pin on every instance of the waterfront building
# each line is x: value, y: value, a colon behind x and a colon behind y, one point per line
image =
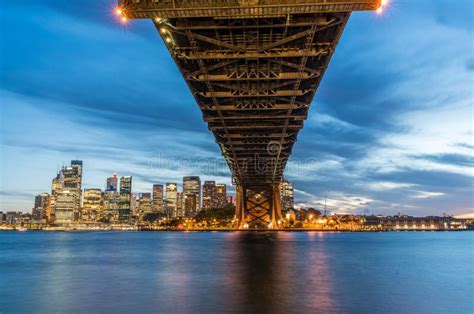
x: 287, y: 195
x: 145, y: 205
x: 56, y: 188
x: 111, y: 184
x: 189, y: 204
x: 171, y: 199
x: 66, y: 203
x: 125, y: 198
x: 92, y: 209
x: 110, y: 204
x: 42, y: 209
x: 158, y: 206
x: 209, y: 195
x: 13, y: 217
x: 221, y: 196
x: 72, y: 182
x: 180, y: 204
x: 192, y: 185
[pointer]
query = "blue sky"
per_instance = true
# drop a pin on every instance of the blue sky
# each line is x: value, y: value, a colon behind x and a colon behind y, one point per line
x: 390, y: 130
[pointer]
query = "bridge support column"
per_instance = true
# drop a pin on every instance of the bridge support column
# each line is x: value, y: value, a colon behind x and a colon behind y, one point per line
x: 258, y: 208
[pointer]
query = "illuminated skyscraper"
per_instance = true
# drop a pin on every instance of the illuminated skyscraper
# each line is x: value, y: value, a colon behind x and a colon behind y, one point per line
x: 171, y: 199
x: 221, y: 196
x: 67, y: 186
x: 92, y: 209
x: 56, y: 188
x: 180, y: 203
x: 110, y: 201
x: 209, y: 195
x: 112, y: 183
x: 145, y: 205
x: 189, y: 204
x: 77, y: 166
x: 192, y: 185
x: 125, y: 198
x: 66, y: 203
x: 287, y: 195
x: 42, y: 209
x: 158, y: 206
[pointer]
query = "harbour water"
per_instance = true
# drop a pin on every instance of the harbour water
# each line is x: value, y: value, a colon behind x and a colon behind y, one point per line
x: 236, y: 272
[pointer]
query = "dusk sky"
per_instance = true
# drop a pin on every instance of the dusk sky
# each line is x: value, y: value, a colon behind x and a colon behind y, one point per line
x: 390, y: 129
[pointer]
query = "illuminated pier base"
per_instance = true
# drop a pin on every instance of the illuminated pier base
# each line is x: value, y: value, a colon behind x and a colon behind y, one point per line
x: 258, y: 208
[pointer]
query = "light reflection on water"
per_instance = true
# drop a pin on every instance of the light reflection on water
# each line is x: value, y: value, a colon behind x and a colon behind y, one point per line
x: 236, y: 272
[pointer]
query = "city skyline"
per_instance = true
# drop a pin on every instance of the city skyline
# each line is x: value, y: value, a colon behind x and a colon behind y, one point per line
x: 383, y: 137
x: 67, y: 202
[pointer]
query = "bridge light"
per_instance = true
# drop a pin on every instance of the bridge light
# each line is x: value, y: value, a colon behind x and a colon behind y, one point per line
x: 118, y: 11
x: 383, y: 5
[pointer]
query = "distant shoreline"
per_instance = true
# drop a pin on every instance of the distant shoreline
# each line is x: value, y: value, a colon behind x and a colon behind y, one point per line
x: 231, y: 230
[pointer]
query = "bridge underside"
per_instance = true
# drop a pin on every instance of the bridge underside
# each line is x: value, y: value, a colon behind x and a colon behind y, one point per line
x: 253, y: 67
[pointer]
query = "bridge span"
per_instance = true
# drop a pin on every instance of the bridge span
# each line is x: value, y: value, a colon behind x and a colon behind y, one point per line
x: 253, y: 67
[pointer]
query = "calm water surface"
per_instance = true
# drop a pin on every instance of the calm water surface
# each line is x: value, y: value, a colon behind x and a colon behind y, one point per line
x: 167, y: 272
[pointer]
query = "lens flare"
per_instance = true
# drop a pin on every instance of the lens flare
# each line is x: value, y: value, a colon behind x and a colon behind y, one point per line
x: 382, y: 7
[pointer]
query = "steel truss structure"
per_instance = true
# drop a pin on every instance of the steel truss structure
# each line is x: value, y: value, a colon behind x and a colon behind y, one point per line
x: 253, y: 67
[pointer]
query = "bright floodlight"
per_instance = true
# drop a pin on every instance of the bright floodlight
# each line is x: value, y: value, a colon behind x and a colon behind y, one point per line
x: 124, y: 19
x: 118, y: 11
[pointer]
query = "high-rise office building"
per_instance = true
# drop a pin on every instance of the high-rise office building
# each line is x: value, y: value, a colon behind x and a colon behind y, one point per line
x: 56, y: 188
x: 286, y: 195
x: 125, y: 198
x: 112, y: 183
x: 78, y: 167
x: 158, y: 206
x: 92, y: 209
x: 192, y: 185
x: 134, y: 204
x: 42, y: 209
x: 110, y: 204
x: 209, y: 195
x: 145, y: 205
x: 189, y: 204
x: 66, y: 186
x: 180, y: 203
x: 66, y: 203
x: 171, y: 199
x: 221, y: 195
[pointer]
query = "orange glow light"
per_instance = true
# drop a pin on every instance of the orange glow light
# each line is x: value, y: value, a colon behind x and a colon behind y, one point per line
x: 118, y: 11
x: 124, y: 19
x: 380, y: 10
